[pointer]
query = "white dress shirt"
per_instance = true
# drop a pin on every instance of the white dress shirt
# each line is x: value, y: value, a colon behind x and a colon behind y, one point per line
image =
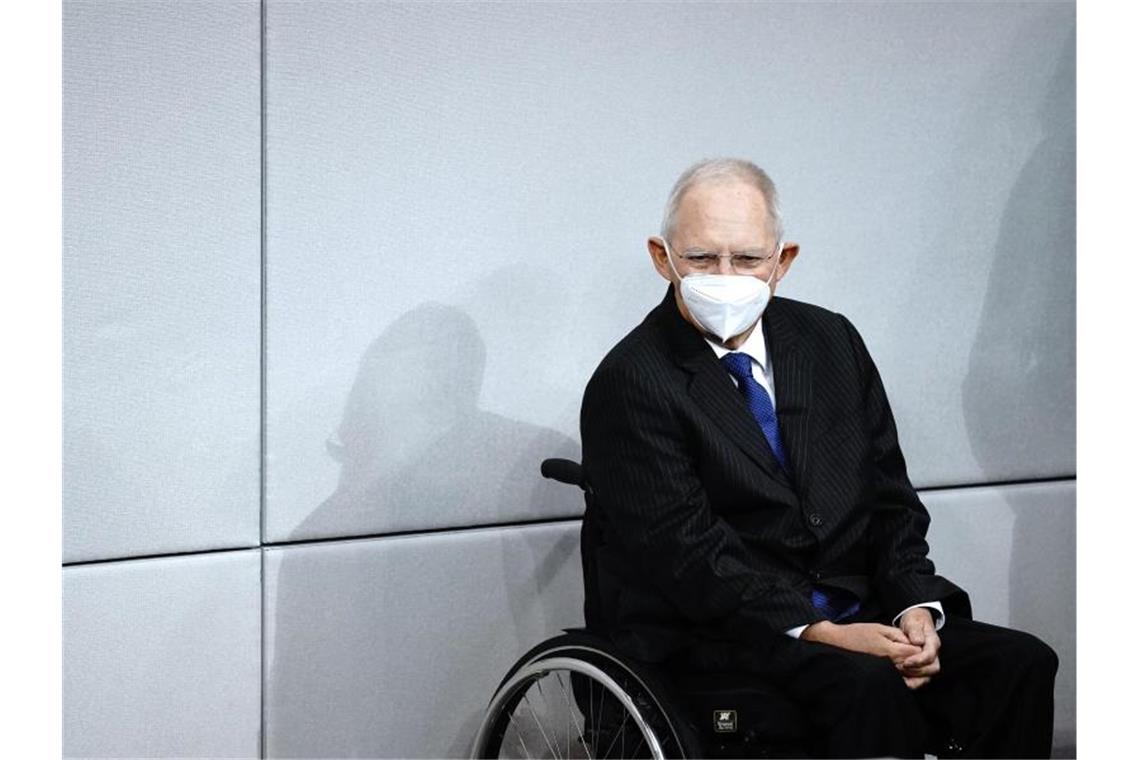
x: 757, y: 351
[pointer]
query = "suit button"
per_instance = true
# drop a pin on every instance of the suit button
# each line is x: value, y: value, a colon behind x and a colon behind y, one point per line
x: 816, y: 576
x: 815, y: 519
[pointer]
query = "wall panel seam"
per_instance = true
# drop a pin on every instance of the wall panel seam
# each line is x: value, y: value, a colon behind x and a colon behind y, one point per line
x: 262, y: 353
x: 1071, y: 477
x: 484, y: 526
x: 262, y: 678
x: 263, y: 362
x: 166, y: 555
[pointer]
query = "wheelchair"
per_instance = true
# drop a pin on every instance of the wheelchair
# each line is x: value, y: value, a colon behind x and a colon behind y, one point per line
x: 577, y: 696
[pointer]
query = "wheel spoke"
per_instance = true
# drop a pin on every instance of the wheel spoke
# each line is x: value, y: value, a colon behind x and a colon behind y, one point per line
x: 593, y: 725
x: 519, y: 733
x: 620, y: 732
x: 545, y: 701
x: 537, y: 722
x: 640, y: 743
x: 601, y: 716
x: 557, y: 677
x: 572, y: 716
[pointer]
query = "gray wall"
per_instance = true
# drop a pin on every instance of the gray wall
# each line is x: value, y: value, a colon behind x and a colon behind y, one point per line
x: 341, y: 428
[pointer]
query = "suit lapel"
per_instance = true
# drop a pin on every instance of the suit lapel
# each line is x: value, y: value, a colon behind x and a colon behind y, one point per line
x: 792, y: 377
x: 713, y: 391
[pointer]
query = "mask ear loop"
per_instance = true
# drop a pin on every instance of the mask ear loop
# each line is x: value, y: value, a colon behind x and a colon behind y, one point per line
x: 779, y: 254
x: 669, y: 258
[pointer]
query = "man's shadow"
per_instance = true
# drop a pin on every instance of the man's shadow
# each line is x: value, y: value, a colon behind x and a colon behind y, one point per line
x: 1023, y: 359
x: 416, y: 453
x: 1022, y: 373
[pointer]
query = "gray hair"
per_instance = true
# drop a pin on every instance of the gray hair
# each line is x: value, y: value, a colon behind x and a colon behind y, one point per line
x: 720, y: 170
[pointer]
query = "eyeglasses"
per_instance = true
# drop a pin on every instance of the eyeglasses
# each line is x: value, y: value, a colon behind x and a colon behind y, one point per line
x: 744, y: 262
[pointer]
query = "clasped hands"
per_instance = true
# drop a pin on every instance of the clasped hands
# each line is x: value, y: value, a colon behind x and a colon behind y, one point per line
x: 912, y: 646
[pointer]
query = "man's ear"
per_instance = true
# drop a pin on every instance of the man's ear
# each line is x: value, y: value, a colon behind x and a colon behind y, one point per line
x: 660, y: 258
x: 790, y: 251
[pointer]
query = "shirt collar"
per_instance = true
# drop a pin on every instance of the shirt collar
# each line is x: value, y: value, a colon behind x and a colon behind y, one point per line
x: 754, y: 346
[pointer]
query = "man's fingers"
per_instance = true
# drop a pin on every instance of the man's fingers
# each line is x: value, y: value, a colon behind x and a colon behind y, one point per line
x: 900, y: 652
x: 914, y: 633
x: 894, y: 634
x: 933, y: 644
x: 914, y: 683
x: 920, y: 660
x: 931, y: 669
x: 927, y: 672
x: 915, y: 662
x: 928, y: 654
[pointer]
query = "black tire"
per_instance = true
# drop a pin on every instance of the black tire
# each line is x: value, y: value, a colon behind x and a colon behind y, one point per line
x: 609, y: 705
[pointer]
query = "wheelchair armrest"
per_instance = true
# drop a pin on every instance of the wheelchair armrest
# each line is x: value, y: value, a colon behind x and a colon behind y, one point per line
x: 564, y: 471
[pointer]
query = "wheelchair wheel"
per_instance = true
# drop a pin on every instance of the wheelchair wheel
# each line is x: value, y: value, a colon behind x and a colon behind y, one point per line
x: 572, y: 697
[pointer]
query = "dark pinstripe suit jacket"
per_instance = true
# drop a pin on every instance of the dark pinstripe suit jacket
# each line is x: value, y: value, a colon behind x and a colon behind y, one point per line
x: 693, y: 532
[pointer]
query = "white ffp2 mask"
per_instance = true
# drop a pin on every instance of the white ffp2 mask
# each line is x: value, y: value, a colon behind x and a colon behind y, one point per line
x: 725, y: 305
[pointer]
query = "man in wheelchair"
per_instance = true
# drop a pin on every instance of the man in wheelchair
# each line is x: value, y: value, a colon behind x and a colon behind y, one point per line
x: 749, y: 509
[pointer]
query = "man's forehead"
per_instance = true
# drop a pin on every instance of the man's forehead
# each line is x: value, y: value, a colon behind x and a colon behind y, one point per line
x: 731, y: 207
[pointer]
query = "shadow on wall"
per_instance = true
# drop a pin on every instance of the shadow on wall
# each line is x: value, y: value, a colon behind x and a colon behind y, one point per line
x: 414, y: 449
x: 1023, y: 359
x: 1023, y: 369
x: 350, y: 621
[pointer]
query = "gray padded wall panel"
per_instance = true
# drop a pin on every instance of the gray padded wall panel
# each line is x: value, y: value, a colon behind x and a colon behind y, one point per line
x: 392, y: 647
x: 162, y: 657
x: 161, y: 193
x: 1013, y: 549
x: 444, y: 615
x: 458, y: 197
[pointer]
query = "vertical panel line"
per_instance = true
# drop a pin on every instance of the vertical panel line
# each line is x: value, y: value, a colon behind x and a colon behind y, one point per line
x: 262, y: 346
x: 261, y: 739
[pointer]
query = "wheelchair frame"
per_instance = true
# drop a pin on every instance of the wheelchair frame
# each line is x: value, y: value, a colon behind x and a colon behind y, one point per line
x: 593, y: 666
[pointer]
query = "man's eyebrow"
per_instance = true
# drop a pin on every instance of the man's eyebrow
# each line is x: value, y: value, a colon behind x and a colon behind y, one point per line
x: 754, y: 251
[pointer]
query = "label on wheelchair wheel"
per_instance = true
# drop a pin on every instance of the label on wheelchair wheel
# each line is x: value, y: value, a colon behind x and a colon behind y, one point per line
x: 724, y: 721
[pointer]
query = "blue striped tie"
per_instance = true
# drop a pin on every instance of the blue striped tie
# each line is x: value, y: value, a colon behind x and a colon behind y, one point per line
x: 756, y: 398
x: 834, y: 604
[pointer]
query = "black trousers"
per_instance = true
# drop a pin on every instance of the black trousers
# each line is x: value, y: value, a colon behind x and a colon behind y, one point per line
x: 992, y: 698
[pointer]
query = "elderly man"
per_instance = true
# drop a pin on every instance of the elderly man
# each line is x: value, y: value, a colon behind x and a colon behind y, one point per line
x: 755, y: 513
